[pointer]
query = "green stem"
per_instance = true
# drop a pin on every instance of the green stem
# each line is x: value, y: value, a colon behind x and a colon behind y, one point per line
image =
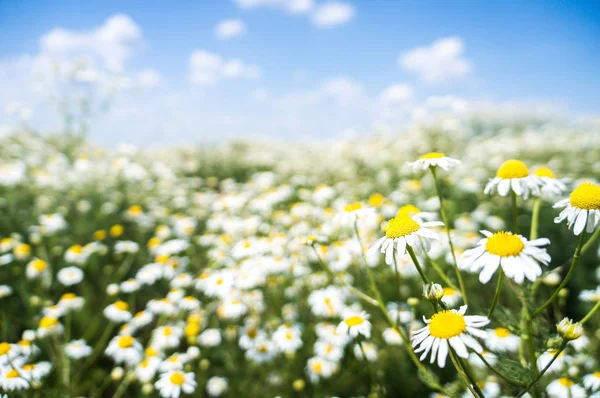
x: 447, y: 227
x: 567, y: 277
x: 562, y: 347
x: 415, y: 260
x: 461, y: 373
x: 470, y: 376
x: 515, y: 211
x: 497, y: 294
x: 535, y: 218
x: 589, y: 314
x: 441, y: 273
x: 371, y: 375
x: 495, y: 371
x: 591, y: 241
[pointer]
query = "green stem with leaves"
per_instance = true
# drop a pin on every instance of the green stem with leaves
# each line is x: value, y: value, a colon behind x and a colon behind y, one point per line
x: 497, y: 294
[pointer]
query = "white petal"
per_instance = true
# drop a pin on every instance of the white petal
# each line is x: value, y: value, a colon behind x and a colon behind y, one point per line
x: 580, y: 222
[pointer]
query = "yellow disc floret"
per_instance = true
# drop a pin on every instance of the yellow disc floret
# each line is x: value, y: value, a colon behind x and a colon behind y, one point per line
x: 354, y: 321
x: 401, y: 226
x: 544, y: 172
x: 407, y: 210
x: 4, y: 348
x: 177, y: 378
x: 125, y: 341
x: 566, y: 382
x: 352, y: 207
x: 48, y: 322
x: 121, y: 305
x: 11, y: 374
x: 586, y: 196
x: 512, y: 169
x: 447, y: 324
x: 502, y: 332
x: 504, y: 244
x: 432, y: 155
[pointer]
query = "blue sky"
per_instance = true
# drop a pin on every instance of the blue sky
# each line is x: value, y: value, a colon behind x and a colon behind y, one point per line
x: 300, y: 78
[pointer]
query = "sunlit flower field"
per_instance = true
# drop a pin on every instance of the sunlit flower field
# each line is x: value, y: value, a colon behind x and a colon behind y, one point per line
x: 443, y: 261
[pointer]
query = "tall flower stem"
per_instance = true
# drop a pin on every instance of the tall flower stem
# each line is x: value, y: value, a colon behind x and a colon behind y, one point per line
x: 535, y: 218
x: 589, y: 314
x: 441, y: 273
x: 515, y: 211
x: 530, y: 385
x: 371, y: 374
x: 497, y: 294
x: 415, y: 260
x: 463, y: 375
x: 567, y: 277
x: 447, y: 227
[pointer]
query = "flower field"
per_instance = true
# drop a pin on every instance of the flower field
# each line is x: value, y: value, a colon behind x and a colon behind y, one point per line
x: 437, y: 262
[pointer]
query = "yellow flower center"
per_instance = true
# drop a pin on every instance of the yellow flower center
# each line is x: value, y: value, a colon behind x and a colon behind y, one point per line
x: 100, y: 234
x: 376, y: 199
x: 11, y: 374
x: 24, y: 343
x: 123, y: 306
x: 432, y: 155
x: 39, y: 265
x: 512, y: 169
x: 502, y: 332
x: 448, y: 291
x: 151, y: 352
x: 28, y: 367
x: 565, y: 382
x: 4, y: 348
x: 177, y: 378
x: 48, y: 322
x: 597, y: 375
x: 407, y: 210
x: 504, y: 244
x: 135, y: 210
x: 586, y: 196
x: 289, y: 335
x: 401, y: 226
x: 317, y: 367
x: 447, y: 324
x: 352, y: 207
x: 125, y: 341
x: 68, y: 296
x: 544, y: 172
x: 354, y: 321
x: 76, y: 249
x: 167, y: 331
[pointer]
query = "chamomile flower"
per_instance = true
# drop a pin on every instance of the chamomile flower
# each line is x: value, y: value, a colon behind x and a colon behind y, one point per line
x: 78, y: 349
x: 581, y: 208
x: 502, y: 340
x: 370, y: 351
x: 166, y: 337
x: 216, y: 386
x: 124, y: 349
x: 355, y: 324
x: 416, y: 213
x: 545, y: 358
x: 11, y: 379
x: 49, y: 326
x: 70, y: 302
x: 353, y: 212
x: 172, y: 384
x: 433, y: 159
x: 514, y: 176
x: 451, y: 296
x: 449, y: 328
x: 70, y: 276
x: 318, y: 368
x: 288, y: 338
x: 565, y: 388
x: 551, y: 186
x: 36, y: 371
x: 404, y: 231
x: 392, y: 337
x: 592, y: 381
x: 518, y: 257
x: 590, y: 295
x: 118, y: 312
x: 37, y: 268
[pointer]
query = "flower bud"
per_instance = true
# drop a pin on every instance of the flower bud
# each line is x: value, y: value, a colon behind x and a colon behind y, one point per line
x: 117, y: 373
x: 147, y: 389
x: 112, y: 289
x: 412, y: 301
x: 299, y: 385
x: 433, y: 291
x: 569, y: 330
x: 552, y: 279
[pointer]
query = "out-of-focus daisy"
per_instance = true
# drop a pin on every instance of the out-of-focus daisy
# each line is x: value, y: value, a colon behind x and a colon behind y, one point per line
x: 416, y: 213
x: 70, y: 302
x: 449, y: 328
x: 318, y: 368
x: 353, y: 212
x: 370, y: 351
x: 78, y: 349
x: 490, y: 357
x: 433, y: 159
x: 356, y: 324
x: 37, y: 268
x: 557, y: 365
x: 514, y: 176
x: 124, y: 349
x: 565, y: 388
x: 551, y: 185
x: 517, y: 256
x: 288, y: 338
x: 118, y: 312
x: 590, y: 295
x: 216, y: 386
x: 11, y: 380
x: 451, y: 296
x: 172, y: 384
x: 502, y: 340
x: 404, y: 231
x: 581, y: 208
x: 391, y: 336
x: 70, y: 276
x: 49, y: 326
x: 36, y: 371
x: 592, y: 381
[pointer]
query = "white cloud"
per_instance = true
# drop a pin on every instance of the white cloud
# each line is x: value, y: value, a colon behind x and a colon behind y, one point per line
x: 332, y: 13
x: 290, y: 6
x: 344, y: 90
x: 208, y: 69
x: 148, y: 78
x: 230, y: 28
x: 441, y: 62
x: 396, y: 93
x: 112, y: 43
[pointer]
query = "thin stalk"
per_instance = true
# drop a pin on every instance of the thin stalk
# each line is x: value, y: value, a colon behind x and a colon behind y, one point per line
x: 462, y: 374
x: 589, y: 314
x: 371, y: 375
x: 562, y: 347
x: 495, y: 371
x: 470, y: 376
x: 535, y: 218
x: 497, y: 294
x: 515, y: 211
x: 447, y: 227
x: 567, y: 277
x: 415, y: 260
x: 441, y: 273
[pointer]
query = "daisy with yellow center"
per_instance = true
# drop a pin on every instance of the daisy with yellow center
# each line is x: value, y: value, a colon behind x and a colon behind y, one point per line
x: 567, y: 388
x: 502, y: 340
x: 125, y: 349
x: 433, y: 159
x: 37, y: 268
x: 49, y: 326
x: 118, y: 312
x: 352, y: 213
x: 11, y: 380
x: 449, y: 329
x: 172, y: 384
x: 592, y: 381
x: 581, y: 208
x: 513, y: 175
x: 355, y: 324
x: 416, y: 213
x: 518, y: 257
x: 403, y: 231
x: 551, y: 186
